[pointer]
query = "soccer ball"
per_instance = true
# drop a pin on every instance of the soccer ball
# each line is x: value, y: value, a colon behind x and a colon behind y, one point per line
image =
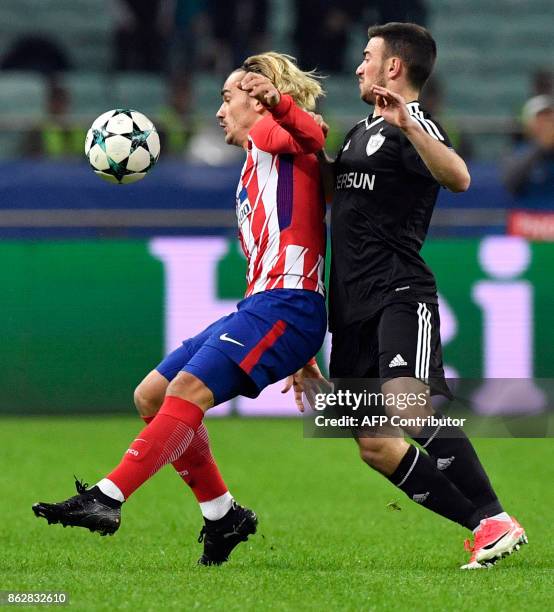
x: 122, y: 145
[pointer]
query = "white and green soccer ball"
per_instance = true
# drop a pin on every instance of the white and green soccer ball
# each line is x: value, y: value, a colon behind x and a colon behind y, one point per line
x: 122, y: 146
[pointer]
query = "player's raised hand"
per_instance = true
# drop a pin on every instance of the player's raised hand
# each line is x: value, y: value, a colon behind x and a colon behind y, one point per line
x: 320, y: 121
x: 260, y: 87
x: 392, y: 107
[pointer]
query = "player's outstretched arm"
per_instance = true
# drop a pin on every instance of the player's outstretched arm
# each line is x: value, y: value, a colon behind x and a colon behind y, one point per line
x: 295, y: 132
x: 446, y: 166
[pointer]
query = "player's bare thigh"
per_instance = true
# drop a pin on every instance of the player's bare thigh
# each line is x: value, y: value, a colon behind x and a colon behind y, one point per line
x: 413, y: 400
x: 150, y: 393
x: 188, y: 387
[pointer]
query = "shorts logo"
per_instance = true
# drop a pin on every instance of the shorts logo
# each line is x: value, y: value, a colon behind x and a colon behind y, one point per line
x: 419, y: 498
x: 374, y: 143
x: 226, y: 338
x: 398, y: 361
x: 442, y: 464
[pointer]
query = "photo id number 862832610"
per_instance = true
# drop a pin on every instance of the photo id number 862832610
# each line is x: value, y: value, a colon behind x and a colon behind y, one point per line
x: 45, y: 598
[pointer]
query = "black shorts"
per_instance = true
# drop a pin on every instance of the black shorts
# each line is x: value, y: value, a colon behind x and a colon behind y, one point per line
x: 403, y: 339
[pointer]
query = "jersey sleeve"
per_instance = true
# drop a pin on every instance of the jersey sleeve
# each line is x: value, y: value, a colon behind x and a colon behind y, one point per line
x: 410, y: 157
x: 292, y: 131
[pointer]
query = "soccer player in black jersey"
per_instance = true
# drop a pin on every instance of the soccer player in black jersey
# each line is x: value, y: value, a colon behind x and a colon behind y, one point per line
x: 384, y: 314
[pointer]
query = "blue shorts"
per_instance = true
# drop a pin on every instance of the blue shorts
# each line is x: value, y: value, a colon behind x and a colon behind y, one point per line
x: 271, y: 335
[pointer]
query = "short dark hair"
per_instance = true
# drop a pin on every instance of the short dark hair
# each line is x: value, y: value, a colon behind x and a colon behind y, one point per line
x: 413, y: 44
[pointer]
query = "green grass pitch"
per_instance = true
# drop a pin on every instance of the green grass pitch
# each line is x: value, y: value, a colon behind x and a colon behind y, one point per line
x: 326, y: 539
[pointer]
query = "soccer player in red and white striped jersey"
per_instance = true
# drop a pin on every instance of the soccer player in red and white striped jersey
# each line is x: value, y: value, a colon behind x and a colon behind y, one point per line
x: 280, y: 205
x: 277, y: 329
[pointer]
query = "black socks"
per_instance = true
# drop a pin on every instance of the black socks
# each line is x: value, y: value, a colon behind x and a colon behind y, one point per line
x: 419, y: 478
x: 456, y: 458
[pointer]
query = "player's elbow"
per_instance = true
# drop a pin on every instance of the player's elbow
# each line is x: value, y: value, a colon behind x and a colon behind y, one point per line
x: 314, y: 145
x: 460, y: 182
x: 315, y: 142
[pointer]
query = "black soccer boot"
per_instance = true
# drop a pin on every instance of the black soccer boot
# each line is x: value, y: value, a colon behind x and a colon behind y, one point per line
x: 222, y: 536
x: 90, y: 508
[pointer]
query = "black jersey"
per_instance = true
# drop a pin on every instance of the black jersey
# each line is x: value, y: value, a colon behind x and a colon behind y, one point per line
x: 384, y: 199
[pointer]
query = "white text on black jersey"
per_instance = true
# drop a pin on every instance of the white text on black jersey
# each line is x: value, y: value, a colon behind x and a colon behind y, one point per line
x: 355, y: 180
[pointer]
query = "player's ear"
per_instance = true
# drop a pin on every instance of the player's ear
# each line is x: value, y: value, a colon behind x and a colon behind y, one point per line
x: 259, y: 107
x: 395, y: 67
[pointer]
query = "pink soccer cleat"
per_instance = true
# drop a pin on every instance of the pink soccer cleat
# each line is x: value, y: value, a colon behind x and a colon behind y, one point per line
x: 494, y: 539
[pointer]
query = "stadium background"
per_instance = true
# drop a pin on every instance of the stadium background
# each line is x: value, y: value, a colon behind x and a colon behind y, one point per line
x: 98, y: 281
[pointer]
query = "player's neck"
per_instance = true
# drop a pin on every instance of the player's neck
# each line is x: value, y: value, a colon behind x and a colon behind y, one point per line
x: 256, y: 120
x: 408, y: 93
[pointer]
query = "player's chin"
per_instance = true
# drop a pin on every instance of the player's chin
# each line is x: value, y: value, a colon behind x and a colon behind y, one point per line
x: 367, y: 96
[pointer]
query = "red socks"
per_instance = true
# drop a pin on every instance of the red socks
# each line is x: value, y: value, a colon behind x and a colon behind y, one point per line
x: 163, y: 441
x: 197, y: 467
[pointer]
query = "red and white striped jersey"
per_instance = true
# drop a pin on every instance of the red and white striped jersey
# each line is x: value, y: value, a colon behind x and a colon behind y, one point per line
x: 280, y: 203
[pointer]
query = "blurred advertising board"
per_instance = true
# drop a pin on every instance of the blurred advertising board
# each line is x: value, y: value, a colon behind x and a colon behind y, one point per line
x: 537, y: 226
x: 84, y: 321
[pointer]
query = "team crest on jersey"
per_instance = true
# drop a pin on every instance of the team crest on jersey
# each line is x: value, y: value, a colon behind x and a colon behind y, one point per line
x: 374, y: 143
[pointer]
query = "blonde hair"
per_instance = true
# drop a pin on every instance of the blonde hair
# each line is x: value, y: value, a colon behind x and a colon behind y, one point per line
x: 282, y: 70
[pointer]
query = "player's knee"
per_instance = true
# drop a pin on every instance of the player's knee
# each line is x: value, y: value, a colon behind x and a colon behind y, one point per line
x: 146, y: 403
x: 190, y: 388
x: 382, y: 454
x: 373, y: 451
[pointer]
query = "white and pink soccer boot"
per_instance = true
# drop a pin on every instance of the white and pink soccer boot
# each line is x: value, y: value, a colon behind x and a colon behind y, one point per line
x: 494, y: 539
